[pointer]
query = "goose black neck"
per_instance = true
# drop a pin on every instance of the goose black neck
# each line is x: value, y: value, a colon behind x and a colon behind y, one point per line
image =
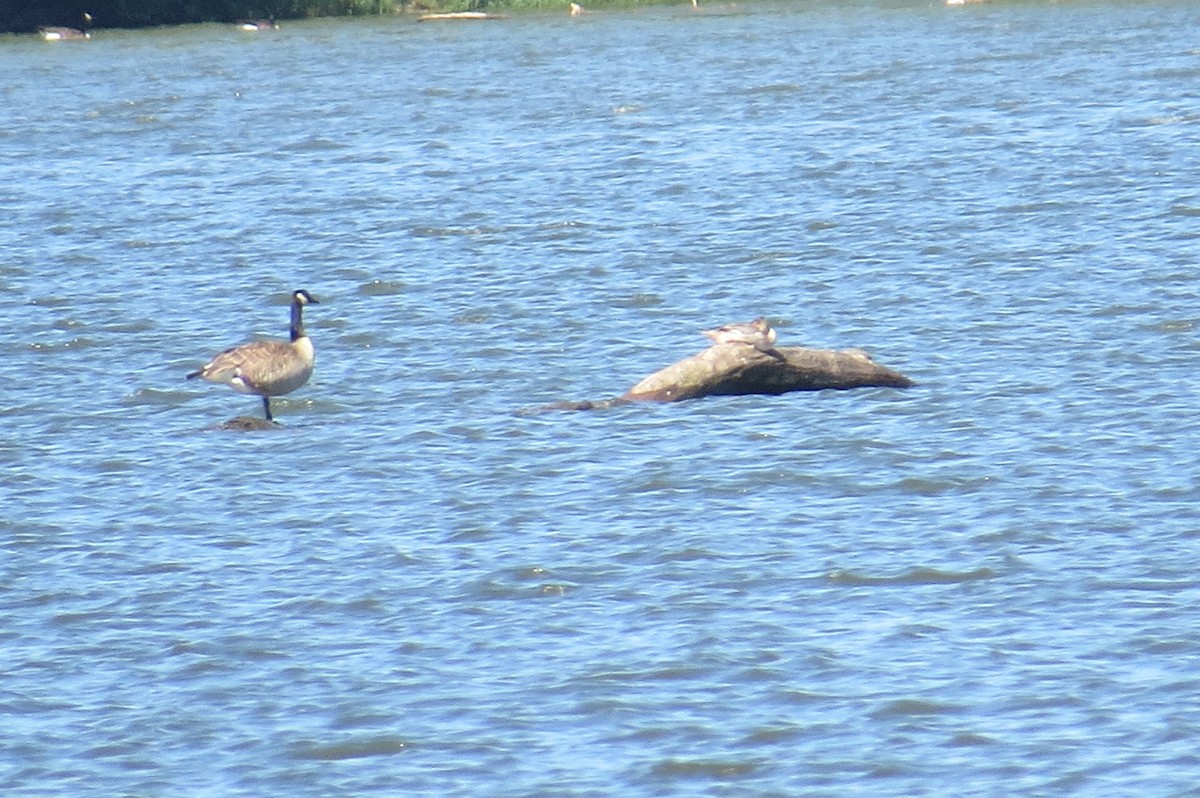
x: 297, y: 320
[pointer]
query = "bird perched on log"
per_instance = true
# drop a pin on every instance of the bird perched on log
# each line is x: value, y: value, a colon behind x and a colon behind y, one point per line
x: 267, y: 368
x: 757, y: 333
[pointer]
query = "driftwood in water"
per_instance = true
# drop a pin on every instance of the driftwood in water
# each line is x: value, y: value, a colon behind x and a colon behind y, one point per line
x: 458, y: 15
x: 737, y: 369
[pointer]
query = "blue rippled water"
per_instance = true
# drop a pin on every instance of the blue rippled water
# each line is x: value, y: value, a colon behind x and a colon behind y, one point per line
x: 983, y: 585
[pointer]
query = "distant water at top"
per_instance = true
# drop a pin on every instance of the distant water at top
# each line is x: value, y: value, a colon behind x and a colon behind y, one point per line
x: 982, y: 585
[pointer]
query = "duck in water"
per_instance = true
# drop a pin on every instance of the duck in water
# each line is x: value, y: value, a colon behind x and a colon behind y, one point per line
x: 757, y: 333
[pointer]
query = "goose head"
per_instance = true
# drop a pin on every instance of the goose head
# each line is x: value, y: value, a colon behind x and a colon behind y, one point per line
x: 302, y: 297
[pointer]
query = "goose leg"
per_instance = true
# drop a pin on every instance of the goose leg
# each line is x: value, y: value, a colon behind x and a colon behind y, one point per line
x: 267, y: 407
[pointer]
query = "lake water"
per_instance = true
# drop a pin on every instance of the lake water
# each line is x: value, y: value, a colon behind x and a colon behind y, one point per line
x: 983, y: 585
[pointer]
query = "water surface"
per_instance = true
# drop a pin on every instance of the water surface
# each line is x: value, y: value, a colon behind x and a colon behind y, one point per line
x: 981, y: 585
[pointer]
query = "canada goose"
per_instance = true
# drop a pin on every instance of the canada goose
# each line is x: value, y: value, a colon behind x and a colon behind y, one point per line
x: 59, y: 34
x: 267, y: 368
x: 259, y: 24
x: 757, y: 334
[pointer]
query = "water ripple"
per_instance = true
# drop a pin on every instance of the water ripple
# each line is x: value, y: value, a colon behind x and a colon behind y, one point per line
x: 980, y: 585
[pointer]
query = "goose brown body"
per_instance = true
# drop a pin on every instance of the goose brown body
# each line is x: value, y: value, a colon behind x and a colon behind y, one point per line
x: 267, y: 368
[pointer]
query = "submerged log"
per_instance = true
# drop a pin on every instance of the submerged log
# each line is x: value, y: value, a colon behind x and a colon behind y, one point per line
x: 248, y: 424
x: 736, y: 369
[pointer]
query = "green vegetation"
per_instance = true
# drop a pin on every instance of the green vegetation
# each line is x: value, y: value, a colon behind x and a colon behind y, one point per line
x: 25, y: 16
